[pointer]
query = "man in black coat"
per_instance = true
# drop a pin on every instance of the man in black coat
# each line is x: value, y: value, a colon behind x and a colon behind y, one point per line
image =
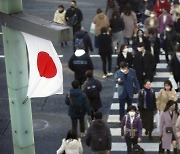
x: 73, y: 16
x: 98, y: 135
x: 144, y: 64
x: 92, y: 87
x: 79, y: 63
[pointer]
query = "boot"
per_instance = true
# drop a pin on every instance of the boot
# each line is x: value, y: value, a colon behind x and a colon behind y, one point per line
x: 168, y: 152
x: 175, y: 150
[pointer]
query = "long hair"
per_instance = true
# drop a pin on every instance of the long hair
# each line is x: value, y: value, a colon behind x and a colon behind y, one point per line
x: 168, y: 82
x: 71, y: 135
x: 169, y: 104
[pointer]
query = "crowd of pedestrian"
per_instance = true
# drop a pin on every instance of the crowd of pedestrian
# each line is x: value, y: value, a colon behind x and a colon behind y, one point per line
x: 138, y: 31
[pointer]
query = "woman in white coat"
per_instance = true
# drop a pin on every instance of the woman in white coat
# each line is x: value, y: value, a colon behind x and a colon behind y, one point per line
x: 71, y: 144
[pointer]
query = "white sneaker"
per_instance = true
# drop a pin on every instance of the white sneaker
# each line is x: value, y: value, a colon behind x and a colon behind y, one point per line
x: 104, y: 76
x: 110, y: 74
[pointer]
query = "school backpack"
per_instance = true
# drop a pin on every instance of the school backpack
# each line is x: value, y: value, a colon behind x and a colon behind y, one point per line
x: 79, y: 43
x: 91, y: 90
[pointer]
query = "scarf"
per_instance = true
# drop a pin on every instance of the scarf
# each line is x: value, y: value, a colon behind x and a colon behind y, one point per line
x: 148, y: 99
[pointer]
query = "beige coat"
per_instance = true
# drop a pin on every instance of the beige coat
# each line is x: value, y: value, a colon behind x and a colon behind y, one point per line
x: 59, y: 17
x: 100, y: 20
x: 163, y: 97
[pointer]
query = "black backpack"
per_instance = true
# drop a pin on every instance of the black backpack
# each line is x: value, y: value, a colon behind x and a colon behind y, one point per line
x: 137, y: 149
x: 91, y: 90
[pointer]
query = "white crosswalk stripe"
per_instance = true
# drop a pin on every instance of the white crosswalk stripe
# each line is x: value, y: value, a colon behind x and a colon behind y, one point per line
x: 150, y: 146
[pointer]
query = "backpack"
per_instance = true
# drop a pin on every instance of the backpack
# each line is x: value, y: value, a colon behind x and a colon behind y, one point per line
x: 91, y: 90
x: 76, y: 108
x: 79, y: 43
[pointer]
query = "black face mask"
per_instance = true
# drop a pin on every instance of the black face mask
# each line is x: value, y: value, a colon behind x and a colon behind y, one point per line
x: 60, y: 11
x: 72, y: 7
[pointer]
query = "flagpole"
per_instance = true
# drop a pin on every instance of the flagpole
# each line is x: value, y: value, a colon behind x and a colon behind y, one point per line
x: 17, y: 80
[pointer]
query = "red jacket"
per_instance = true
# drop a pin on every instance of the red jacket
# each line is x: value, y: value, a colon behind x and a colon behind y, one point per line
x: 159, y: 6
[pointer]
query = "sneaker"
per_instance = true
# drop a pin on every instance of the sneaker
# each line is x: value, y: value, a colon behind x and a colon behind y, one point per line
x: 82, y: 134
x: 110, y: 74
x: 104, y: 76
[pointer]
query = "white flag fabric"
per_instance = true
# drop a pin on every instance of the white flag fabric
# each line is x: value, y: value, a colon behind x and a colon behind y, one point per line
x: 45, y: 75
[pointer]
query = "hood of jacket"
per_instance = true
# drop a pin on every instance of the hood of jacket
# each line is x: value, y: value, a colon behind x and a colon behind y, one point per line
x: 101, y: 16
x: 76, y: 92
x: 79, y: 52
x: 72, y: 143
x: 99, y: 124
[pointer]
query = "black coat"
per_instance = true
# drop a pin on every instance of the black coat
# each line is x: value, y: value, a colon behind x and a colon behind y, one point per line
x: 70, y: 13
x: 128, y: 59
x: 175, y: 66
x: 98, y: 136
x: 144, y: 64
x: 105, y: 44
x: 117, y: 25
x: 95, y: 103
x: 79, y: 65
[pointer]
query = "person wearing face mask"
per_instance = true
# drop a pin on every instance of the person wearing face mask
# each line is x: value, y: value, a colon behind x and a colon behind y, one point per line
x: 59, y: 17
x: 73, y: 16
x: 175, y: 65
x: 144, y: 64
x: 131, y: 128
x: 151, y: 22
x: 147, y: 106
x: 160, y: 5
x: 124, y: 55
x: 167, y: 127
x: 127, y: 85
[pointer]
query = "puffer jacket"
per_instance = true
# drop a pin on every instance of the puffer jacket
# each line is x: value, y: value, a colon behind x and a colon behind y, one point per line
x: 70, y: 146
x: 100, y: 20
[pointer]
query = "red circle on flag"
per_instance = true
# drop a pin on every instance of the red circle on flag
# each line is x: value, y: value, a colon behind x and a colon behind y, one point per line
x: 46, y: 65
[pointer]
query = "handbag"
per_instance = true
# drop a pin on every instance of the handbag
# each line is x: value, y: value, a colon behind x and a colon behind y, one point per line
x: 169, y: 130
x: 92, y: 28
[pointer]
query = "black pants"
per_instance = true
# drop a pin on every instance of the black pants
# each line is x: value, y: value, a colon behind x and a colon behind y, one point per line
x: 130, y: 142
x: 81, y: 123
x: 106, y: 59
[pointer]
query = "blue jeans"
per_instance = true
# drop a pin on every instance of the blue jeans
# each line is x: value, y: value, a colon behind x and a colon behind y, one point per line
x: 122, y: 102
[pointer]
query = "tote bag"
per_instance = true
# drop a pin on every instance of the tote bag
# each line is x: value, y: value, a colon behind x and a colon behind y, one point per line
x: 92, y: 28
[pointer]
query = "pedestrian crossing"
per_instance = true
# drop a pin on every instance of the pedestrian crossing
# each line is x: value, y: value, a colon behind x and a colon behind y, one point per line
x: 150, y: 146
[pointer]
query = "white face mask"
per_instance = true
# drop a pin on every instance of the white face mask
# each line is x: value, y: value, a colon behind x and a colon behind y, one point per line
x: 168, y: 29
x: 131, y: 113
x: 152, y: 15
x: 162, y: 1
x: 139, y: 49
x: 178, y: 53
x: 125, y: 71
x: 167, y: 87
x: 125, y: 50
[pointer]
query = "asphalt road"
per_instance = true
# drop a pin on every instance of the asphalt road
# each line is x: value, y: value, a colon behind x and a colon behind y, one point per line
x: 51, y: 121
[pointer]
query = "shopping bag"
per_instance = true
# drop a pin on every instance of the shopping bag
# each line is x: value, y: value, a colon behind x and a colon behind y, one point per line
x: 92, y: 28
x: 157, y: 118
x: 174, y: 84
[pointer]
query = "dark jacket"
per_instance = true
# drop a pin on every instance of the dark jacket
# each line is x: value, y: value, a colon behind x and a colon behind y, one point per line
x: 141, y: 100
x: 175, y: 65
x: 95, y: 102
x: 105, y: 44
x: 77, y: 96
x: 136, y: 41
x: 70, y: 13
x: 98, y: 136
x: 132, y: 130
x: 86, y: 39
x: 116, y: 24
x: 144, y: 64
x: 79, y: 65
x: 128, y: 59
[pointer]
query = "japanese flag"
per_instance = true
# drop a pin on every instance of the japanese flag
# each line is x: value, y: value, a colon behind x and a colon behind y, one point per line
x: 45, y: 76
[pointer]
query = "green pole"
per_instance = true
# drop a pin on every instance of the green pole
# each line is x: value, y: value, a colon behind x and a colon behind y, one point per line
x: 17, y: 81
